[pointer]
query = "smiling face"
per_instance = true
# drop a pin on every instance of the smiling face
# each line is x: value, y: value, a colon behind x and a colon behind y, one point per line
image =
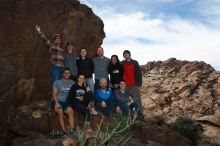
x: 114, y: 60
x: 83, y: 53
x: 103, y: 85
x: 127, y: 56
x: 57, y: 41
x: 66, y: 74
x: 100, y: 52
x: 70, y: 48
x: 122, y: 85
x: 81, y: 79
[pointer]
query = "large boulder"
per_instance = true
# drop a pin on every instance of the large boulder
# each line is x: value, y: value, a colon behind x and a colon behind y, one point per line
x: 21, y: 45
x: 24, y: 58
x: 175, y: 88
x: 33, y: 123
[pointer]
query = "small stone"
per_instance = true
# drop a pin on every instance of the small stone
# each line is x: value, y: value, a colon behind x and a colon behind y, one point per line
x: 36, y: 115
x: 166, y: 110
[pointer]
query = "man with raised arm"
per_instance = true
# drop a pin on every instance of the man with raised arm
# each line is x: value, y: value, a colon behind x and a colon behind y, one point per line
x: 57, y: 54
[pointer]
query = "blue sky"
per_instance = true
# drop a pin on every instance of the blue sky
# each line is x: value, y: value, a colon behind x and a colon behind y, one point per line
x: 160, y: 29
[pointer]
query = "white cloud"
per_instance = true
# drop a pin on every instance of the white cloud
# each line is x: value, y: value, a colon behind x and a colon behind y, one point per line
x: 159, y: 38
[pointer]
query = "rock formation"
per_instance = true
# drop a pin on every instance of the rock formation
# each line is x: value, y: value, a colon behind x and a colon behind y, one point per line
x: 33, y: 122
x: 170, y: 89
x: 175, y: 88
x: 24, y: 58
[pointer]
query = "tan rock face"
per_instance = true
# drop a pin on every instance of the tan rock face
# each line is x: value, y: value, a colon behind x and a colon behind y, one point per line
x: 182, y: 88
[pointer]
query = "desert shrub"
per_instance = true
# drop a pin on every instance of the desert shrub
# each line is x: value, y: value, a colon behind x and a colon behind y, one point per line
x: 188, y: 128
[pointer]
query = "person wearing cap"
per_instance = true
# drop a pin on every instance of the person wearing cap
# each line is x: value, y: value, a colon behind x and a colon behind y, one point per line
x: 57, y: 54
x: 70, y: 60
x: 105, y: 100
x: 101, y: 64
x: 132, y: 76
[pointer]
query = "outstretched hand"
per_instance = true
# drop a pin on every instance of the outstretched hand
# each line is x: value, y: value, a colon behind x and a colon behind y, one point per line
x: 38, y: 28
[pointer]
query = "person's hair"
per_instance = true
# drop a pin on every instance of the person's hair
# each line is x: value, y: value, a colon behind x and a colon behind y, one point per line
x: 80, y: 75
x: 127, y: 51
x: 100, y: 47
x: 82, y: 49
x: 70, y: 43
x: 118, y: 61
x: 68, y: 69
x: 122, y: 81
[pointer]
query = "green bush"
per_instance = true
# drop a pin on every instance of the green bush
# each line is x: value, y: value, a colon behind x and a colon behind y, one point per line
x: 188, y: 128
x: 115, y: 121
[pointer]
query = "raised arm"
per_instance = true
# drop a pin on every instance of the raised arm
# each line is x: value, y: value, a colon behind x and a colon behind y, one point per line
x: 43, y: 37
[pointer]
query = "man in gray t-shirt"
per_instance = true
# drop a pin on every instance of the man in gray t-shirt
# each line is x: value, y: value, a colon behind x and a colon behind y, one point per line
x: 59, y: 93
x: 101, y: 64
x: 62, y: 89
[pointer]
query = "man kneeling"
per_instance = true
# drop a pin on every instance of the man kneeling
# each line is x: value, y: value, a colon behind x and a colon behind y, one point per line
x: 105, y: 99
x: 126, y: 100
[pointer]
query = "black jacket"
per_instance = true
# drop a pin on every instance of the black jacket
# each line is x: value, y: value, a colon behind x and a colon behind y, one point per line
x: 116, y: 73
x: 74, y: 94
x: 85, y: 67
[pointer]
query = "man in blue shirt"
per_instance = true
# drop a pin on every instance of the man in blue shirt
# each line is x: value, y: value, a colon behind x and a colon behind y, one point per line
x: 105, y: 99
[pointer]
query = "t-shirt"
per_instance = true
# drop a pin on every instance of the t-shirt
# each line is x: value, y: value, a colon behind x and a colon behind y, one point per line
x: 101, y: 67
x: 63, y: 89
x: 129, y: 74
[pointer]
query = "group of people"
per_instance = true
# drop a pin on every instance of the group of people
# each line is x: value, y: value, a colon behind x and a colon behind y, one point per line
x: 114, y: 89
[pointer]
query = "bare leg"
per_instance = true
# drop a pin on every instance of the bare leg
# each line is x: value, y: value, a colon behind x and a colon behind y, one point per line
x: 60, y: 118
x: 70, y: 113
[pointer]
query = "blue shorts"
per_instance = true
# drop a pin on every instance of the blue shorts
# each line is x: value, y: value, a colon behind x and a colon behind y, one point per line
x: 63, y: 105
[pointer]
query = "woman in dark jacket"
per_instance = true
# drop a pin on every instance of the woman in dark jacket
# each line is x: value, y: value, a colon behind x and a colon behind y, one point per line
x: 115, y: 69
x: 85, y: 67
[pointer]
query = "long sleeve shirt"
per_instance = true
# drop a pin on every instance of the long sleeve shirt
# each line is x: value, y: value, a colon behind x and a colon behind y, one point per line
x: 108, y: 97
x: 75, y: 93
x: 85, y: 67
x: 70, y: 62
x: 57, y: 53
x: 123, y: 97
x: 116, y: 73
